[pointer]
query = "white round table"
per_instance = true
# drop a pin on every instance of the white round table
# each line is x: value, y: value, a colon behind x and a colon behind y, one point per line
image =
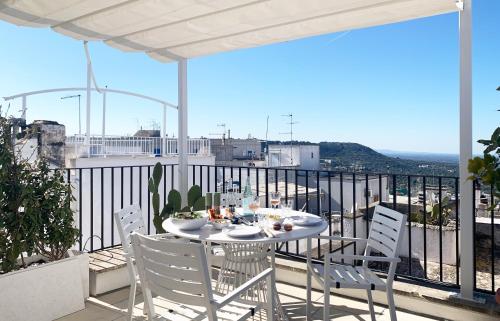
x: 246, y: 257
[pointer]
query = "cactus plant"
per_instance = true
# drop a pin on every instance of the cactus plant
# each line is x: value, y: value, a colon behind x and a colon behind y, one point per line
x: 196, y: 202
x: 153, y: 184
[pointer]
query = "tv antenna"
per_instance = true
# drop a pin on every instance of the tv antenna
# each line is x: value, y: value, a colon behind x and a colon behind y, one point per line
x: 223, y: 134
x: 291, y: 123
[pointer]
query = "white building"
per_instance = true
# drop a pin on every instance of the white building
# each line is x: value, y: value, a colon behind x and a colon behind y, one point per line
x: 297, y: 156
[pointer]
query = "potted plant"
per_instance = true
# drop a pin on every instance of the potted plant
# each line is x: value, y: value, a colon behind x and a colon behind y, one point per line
x: 40, y: 277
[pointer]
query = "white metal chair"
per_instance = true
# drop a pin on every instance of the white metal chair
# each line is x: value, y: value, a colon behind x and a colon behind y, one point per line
x: 129, y: 220
x: 179, y: 273
x: 385, y: 237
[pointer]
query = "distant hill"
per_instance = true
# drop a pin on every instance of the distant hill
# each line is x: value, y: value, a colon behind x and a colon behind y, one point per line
x: 357, y: 157
x: 354, y: 157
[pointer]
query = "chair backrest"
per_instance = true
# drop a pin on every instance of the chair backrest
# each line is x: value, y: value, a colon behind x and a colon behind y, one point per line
x: 386, y: 231
x: 128, y: 220
x: 175, y: 271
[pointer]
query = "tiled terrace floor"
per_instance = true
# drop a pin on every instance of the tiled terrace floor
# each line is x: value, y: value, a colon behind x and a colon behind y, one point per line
x: 112, y: 306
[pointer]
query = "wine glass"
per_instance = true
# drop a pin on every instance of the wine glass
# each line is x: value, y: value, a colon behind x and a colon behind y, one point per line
x: 254, y: 206
x: 275, y: 199
x: 287, y: 205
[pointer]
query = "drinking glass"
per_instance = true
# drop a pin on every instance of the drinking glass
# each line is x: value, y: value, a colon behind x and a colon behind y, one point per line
x: 287, y: 205
x: 275, y: 199
x: 254, y: 206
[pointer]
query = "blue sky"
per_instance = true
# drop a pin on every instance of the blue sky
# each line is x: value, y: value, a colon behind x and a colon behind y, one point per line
x: 388, y: 87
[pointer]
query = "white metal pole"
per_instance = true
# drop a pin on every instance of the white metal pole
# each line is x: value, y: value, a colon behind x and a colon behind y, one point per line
x: 23, y: 115
x: 79, y: 115
x: 467, y: 215
x: 164, y: 131
x: 87, y: 133
x: 182, y: 130
x: 103, y: 123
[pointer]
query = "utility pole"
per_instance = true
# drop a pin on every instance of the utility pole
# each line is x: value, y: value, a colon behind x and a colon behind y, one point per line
x: 79, y: 111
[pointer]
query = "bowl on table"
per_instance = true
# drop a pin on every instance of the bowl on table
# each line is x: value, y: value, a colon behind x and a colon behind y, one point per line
x: 189, y: 220
x: 219, y: 224
x: 273, y: 218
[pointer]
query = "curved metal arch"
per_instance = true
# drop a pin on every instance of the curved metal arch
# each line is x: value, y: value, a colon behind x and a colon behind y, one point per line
x: 117, y: 91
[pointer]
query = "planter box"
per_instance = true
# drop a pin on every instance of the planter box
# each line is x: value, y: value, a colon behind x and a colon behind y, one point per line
x: 45, y: 292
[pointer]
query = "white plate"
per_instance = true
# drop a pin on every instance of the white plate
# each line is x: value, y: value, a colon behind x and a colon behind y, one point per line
x: 307, y: 220
x: 243, y: 231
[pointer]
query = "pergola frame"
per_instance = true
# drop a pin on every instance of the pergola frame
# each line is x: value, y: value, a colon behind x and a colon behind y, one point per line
x: 164, y: 104
x: 467, y: 216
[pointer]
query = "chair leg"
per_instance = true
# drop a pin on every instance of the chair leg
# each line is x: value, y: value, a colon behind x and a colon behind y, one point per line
x: 308, y: 296
x: 326, y: 308
x: 145, y: 306
x: 270, y: 297
x: 392, y: 307
x: 131, y: 300
x: 370, y: 304
x: 309, y: 282
x: 148, y: 301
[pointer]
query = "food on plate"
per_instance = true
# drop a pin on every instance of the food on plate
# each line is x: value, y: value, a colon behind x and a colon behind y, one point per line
x: 221, y: 223
x: 288, y: 227
x: 277, y: 226
x: 188, y: 215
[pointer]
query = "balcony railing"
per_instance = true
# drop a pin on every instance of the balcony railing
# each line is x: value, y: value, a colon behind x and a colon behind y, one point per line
x: 430, y: 251
x: 130, y: 145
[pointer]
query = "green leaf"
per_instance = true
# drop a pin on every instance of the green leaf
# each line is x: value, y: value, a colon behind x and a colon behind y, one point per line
x: 157, y: 222
x: 475, y: 165
x: 174, y: 200
x: 185, y: 209
x: 166, y: 212
x: 199, y: 205
x: 156, y: 203
x: 194, y: 194
x: 152, y: 187
x: 157, y: 173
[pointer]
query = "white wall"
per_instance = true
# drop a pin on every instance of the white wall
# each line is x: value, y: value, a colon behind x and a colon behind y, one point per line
x: 295, y: 155
x: 309, y: 157
x: 360, y: 186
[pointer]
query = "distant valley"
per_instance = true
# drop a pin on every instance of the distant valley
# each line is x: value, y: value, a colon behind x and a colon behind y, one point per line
x: 422, y: 156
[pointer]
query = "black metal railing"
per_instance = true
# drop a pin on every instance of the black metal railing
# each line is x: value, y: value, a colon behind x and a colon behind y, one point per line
x: 430, y: 251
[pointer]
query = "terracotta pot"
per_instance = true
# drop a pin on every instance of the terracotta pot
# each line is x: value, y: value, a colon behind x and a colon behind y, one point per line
x: 497, y: 296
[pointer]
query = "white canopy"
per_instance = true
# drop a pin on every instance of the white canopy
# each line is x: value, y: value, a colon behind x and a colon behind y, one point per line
x: 172, y: 29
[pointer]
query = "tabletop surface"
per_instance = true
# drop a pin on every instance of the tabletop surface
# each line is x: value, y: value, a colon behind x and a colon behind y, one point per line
x: 209, y: 234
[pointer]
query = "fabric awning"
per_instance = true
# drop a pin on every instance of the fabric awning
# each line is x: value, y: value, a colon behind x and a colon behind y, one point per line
x: 168, y: 30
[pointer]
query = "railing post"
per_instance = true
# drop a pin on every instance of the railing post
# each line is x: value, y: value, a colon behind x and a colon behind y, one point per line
x: 467, y: 219
x: 164, y: 131
x: 103, y: 123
